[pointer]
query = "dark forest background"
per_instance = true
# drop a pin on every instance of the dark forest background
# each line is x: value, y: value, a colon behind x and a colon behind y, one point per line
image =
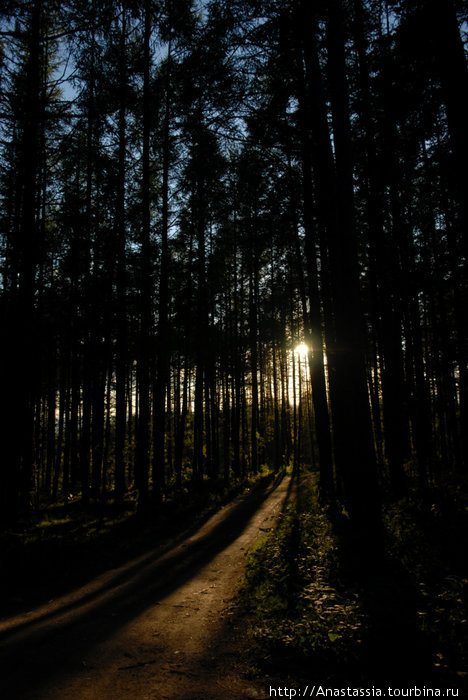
x: 188, y: 192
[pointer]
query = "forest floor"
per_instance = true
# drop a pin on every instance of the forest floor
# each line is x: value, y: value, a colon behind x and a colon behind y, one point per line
x: 165, y: 625
x: 192, y: 617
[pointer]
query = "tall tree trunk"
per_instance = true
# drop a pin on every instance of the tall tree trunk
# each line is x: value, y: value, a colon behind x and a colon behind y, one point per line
x: 121, y: 311
x: 142, y: 456
x: 313, y: 320
x: 354, y: 449
x: 253, y: 290
x: 447, y: 47
x: 162, y: 367
x: 352, y: 432
x: 384, y: 270
x: 19, y: 362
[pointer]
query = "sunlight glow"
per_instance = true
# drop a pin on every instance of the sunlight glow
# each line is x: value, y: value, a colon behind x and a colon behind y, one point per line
x: 302, y: 350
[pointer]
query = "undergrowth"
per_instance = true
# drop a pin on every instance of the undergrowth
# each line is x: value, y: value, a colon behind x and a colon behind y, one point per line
x: 428, y: 537
x: 406, y: 616
x: 292, y: 587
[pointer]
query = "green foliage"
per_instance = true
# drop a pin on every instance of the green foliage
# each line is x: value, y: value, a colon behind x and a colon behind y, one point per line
x: 308, y: 600
x: 291, y: 584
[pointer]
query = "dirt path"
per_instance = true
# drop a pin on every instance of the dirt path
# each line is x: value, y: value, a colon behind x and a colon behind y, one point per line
x: 162, y: 626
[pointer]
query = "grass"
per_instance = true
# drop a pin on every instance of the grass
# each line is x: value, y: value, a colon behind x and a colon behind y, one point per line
x: 406, y: 619
x: 298, y: 604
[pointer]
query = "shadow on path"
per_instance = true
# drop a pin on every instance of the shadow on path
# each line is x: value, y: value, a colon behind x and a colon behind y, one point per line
x: 33, y: 652
x: 296, y: 486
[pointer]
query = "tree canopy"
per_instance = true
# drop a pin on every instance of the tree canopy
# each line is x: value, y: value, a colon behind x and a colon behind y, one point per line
x: 190, y: 190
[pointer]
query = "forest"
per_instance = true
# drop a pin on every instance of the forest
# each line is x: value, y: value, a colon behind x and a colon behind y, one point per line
x: 233, y: 243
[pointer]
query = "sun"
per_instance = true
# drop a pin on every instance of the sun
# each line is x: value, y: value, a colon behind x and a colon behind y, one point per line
x: 302, y: 350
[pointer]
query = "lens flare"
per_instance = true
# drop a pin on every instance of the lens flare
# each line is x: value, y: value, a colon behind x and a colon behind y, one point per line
x: 302, y: 350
